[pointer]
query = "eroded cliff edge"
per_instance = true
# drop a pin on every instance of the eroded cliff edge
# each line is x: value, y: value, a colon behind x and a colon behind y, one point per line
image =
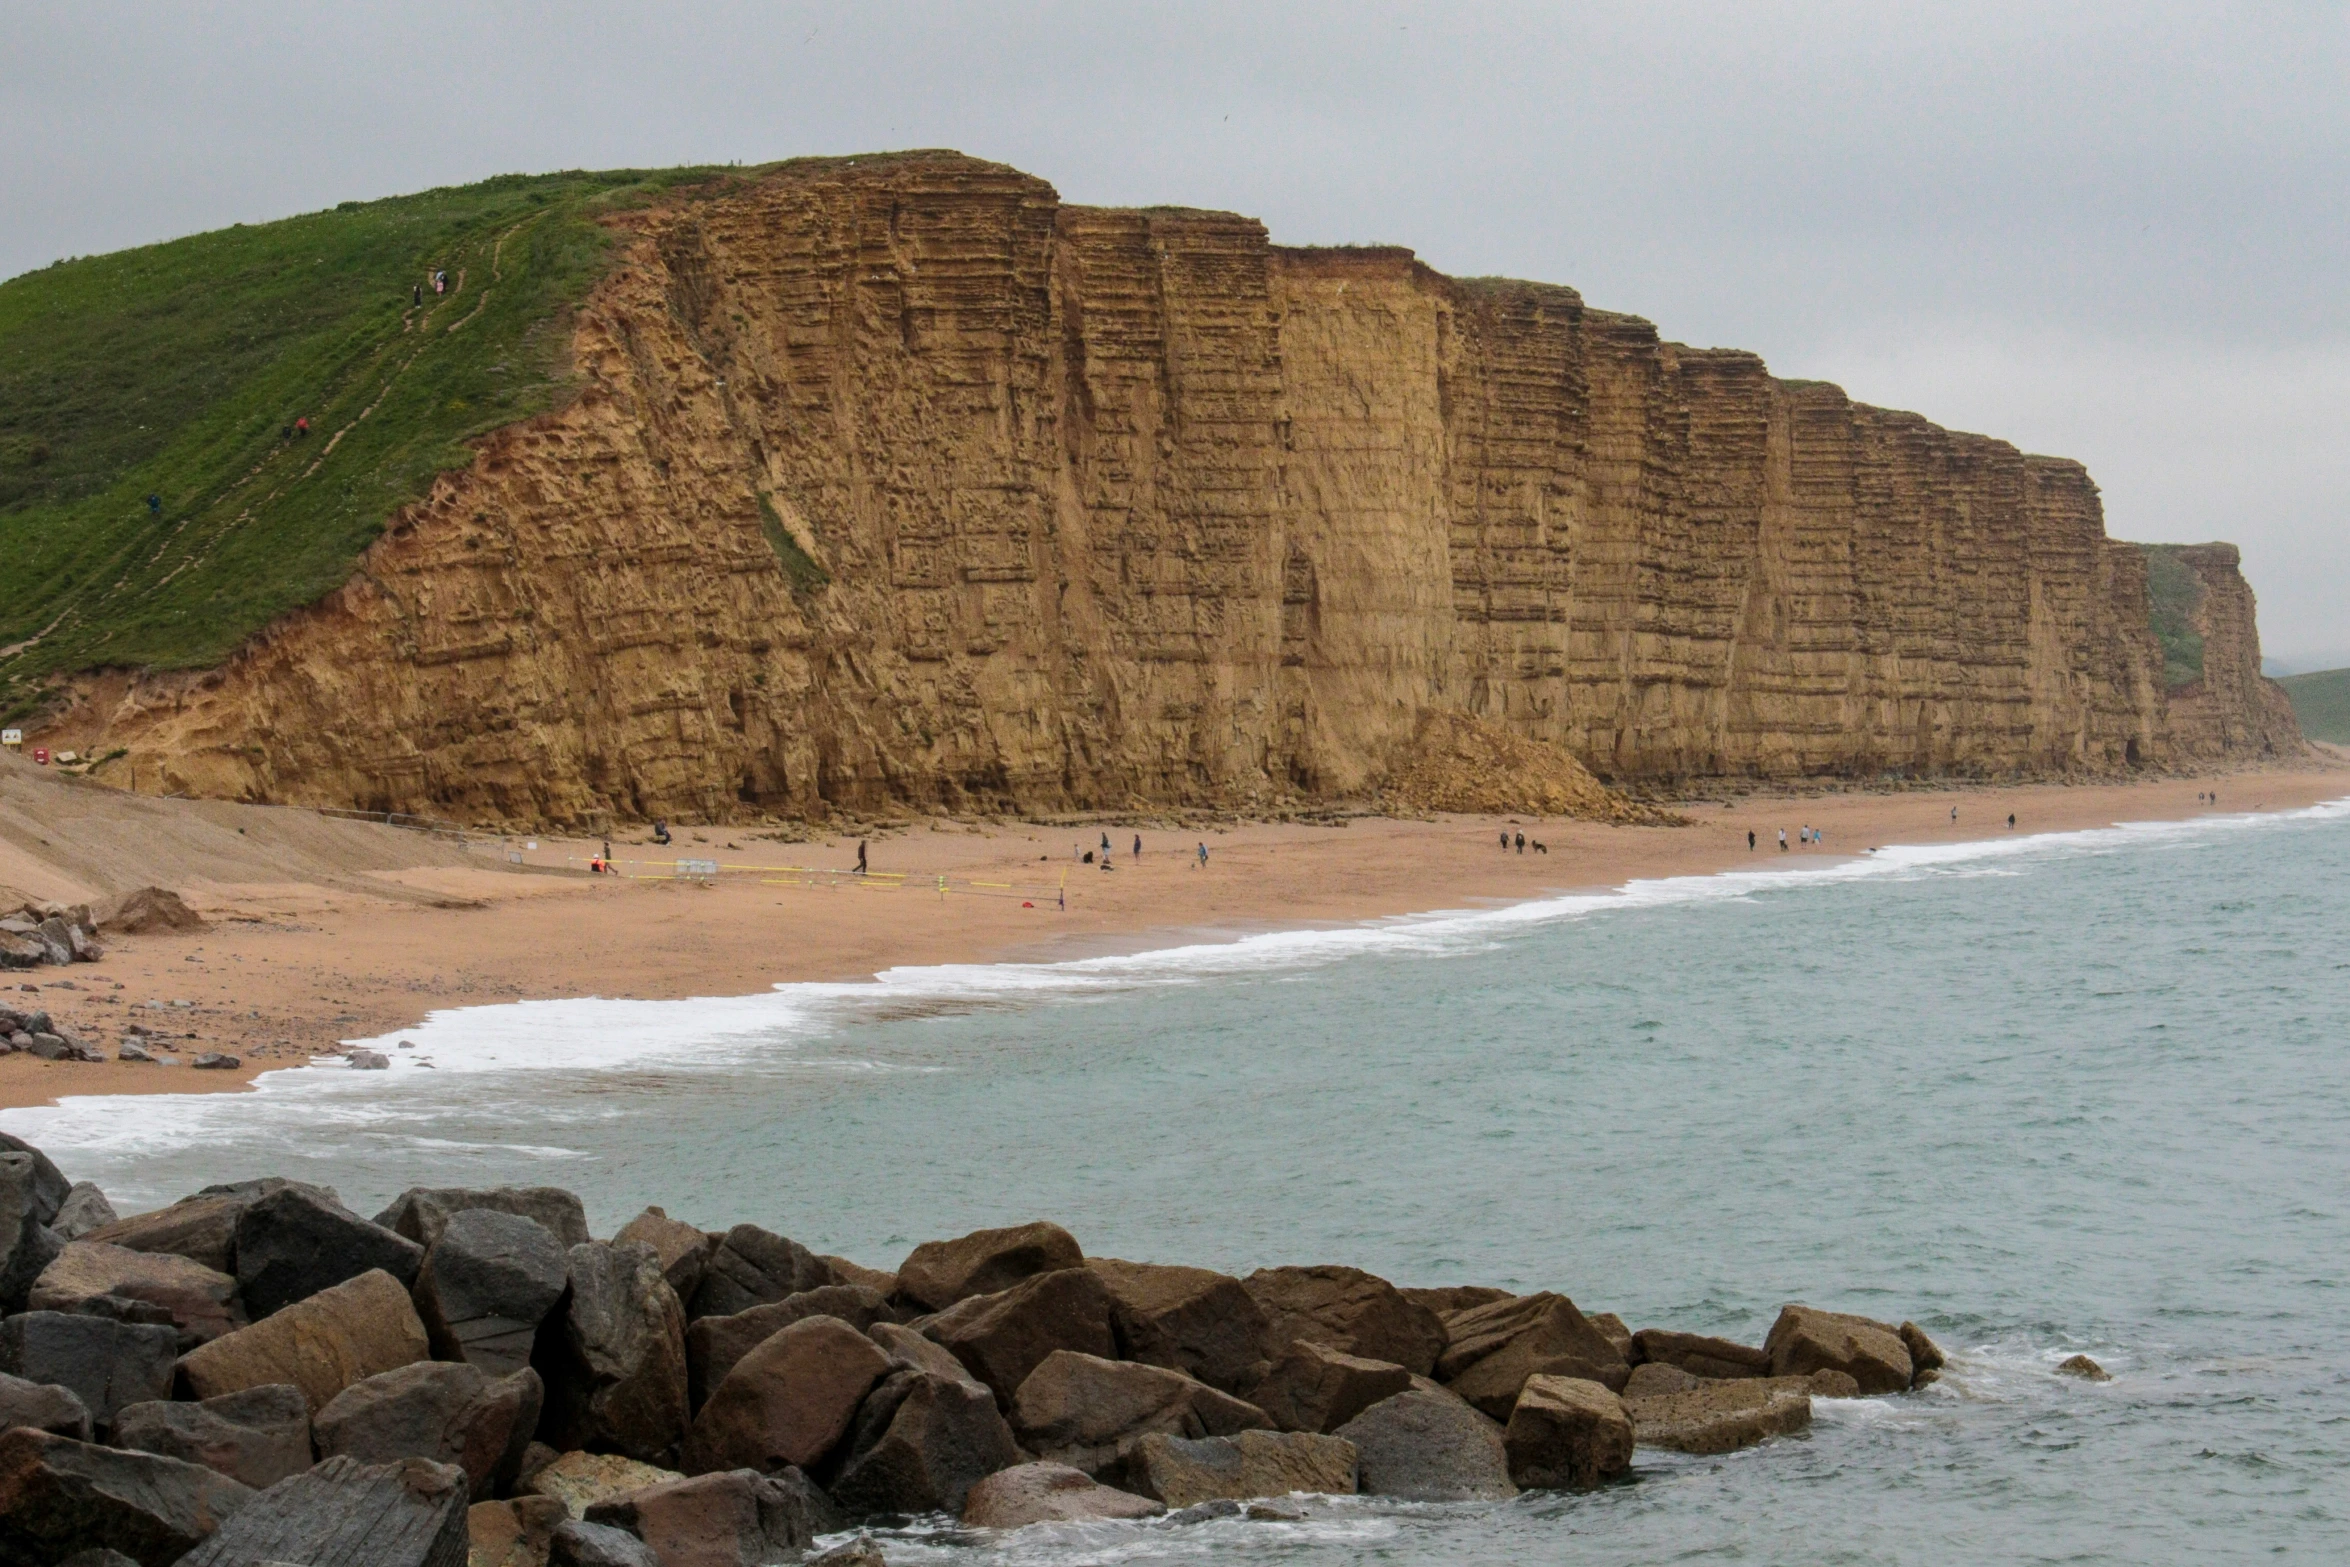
x: 896, y: 481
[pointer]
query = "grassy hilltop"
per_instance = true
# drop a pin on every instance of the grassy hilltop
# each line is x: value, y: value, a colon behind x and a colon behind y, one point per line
x: 2322, y: 702
x: 173, y: 370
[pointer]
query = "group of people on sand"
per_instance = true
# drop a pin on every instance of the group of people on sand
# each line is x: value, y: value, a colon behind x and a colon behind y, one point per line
x: 1806, y: 835
x: 1539, y: 846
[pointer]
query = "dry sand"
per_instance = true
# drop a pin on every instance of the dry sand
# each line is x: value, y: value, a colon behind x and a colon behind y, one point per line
x: 327, y: 930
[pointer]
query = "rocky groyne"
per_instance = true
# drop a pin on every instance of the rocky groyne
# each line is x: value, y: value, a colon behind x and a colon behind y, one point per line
x: 895, y: 482
x: 256, y: 1373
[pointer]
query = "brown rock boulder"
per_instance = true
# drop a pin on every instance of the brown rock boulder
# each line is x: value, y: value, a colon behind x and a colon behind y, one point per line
x: 714, y: 1344
x: 684, y: 1251
x: 1719, y: 1415
x: 1088, y: 1412
x: 788, y: 1401
x: 1429, y: 1445
x: 576, y: 1543
x: 256, y: 1437
x: 27, y: 1245
x: 613, y: 1356
x: 580, y: 1480
x: 1495, y: 1348
x: 1611, y: 1327
x: 1699, y: 1355
x: 1194, y: 1320
x: 106, y: 1363
x: 734, y: 1518
x: 321, y: 1345
x: 147, y: 909
x: 753, y: 1267
x: 1184, y: 1472
x: 1806, y: 1339
x: 294, y: 1242
x: 1001, y: 1338
x: 937, y: 1274
x: 1048, y: 1493
x: 1653, y: 1379
x: 202, y: 1302
x: 1446, y: 1299
x: 1316, y: 1388
x: 512, y: 1534
x: 1925, y: 1356
x: 920, y: 1443
x: 1351, y: 1311
x: 342, y: 1513
x: 908, y: 1350
x: 1567, y: 1433
x: 882, y: 1283
x: 451, y: 1414
x: 59, y: 1496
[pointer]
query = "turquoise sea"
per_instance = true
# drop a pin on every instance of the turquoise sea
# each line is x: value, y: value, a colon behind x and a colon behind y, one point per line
x: 2079, y: 1092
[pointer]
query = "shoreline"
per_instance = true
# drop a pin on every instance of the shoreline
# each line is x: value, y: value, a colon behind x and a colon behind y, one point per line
x: 287, y: 969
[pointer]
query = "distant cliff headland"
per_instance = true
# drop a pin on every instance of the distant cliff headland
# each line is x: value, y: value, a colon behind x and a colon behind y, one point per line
x: 895, y: 482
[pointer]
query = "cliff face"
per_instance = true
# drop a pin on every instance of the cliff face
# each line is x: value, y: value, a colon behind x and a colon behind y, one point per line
x: 896, y: 481
x: 2233, y: 710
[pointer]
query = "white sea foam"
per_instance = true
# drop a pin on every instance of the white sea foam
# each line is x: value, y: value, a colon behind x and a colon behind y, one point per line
x: 590, y: 1035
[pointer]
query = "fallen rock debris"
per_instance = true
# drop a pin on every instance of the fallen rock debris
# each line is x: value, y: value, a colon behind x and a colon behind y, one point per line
x: 242, y: 1375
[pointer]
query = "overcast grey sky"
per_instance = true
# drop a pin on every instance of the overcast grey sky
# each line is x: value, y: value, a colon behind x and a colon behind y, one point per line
x: 2116, y: 232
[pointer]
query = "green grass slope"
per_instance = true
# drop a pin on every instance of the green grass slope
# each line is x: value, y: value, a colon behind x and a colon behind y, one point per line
x: 2175, y: 592
x: 174, y: 370
x: 2322, y: 703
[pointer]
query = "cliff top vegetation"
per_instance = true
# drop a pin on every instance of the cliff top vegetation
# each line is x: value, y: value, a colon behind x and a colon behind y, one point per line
x: 157, y: 502
x: 2176, y: 593
x: 2321, y: 701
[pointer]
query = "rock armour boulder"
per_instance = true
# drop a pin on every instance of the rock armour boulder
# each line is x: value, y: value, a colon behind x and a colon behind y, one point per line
x: 85, y: 1209
x: 1567, y: 1433
x: 684, y: 1251
x: 27, y: 1246
x: 1088, y: 1412
x: 343, y: 1513
x: 292, y: 1243
x: 451, y: 1414
x: 43, y: 1406
x: 714, y: 1344
x: 937, y: 1274
x: 1048, y: 1493
x: 515, y: 1533
x: 1720, y: 1415
x: 1183, y: 1473
x: 613, y: 1356
x: 942, y: 1436
x: 579, y: 1480
x: 1700, y: 1355
x: 59, y: 1496
x: 1353, y: 1312
x: 1430, y: 1445
x: 734, y: 1518
x: 256, y: 1437
x: 1806, y: 1339
x: 421, y: 1212
x: 486, y: 1284
x: 1193, y: 1320
x: 787, y: 1401
x: 755, y: 1267
x: 1002, y: 1338
x: 321, y: 1345
x: 1316, y: 1388
x: 105, y: 1363
x: 203, y: 1303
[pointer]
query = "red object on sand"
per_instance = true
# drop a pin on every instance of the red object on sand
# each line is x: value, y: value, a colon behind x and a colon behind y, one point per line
x: 41, y: 755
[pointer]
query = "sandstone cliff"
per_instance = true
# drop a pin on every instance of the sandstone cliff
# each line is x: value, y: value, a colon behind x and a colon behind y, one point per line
x: 895, y: 481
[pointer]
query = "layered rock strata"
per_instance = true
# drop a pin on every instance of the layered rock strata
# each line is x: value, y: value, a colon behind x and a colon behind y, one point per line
x: 896, y: 482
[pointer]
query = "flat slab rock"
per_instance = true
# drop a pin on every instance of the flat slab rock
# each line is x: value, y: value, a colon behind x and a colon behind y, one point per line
x: 1723, y: 1415
x: 936, y: 1274
x: 1049, y: 1493
x: 343, y: 1513
x: 321, y: 1345
x: 59, y: 1496
x: 580, y: 1480
x: 256, y: 1437
x: 1183, y: 1472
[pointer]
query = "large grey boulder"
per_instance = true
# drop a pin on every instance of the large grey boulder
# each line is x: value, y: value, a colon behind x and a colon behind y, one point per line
x: 106, y: 1363
x: 486, y: 1284
x: 714, y: 1344
x: 256, y: 1437
x: 754, y: 1267
x: 343, y: 1513
x: 920, y: 1443
x: 684, y: 1250
x: 421, y: 1212
x: 576, y: 1543
x: 27, y: 1245
x: 451, y: 1414
x: 43, y: 1406
x: 50, y: 1187
x: 734, y: 1518
x: 1429, y: 1445
x: 613, y: 1357
x: 936, y: 1274
x: 1202, y: 1323
x: 85, y: 1208
x: 59, y: 1496
x: 203, y: 1303
x: 1353, y: 1312
x: 201, y: 1227
x: 292, y: 1243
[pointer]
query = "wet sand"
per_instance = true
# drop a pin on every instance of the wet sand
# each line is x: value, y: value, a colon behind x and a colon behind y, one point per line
x: 286, y: 968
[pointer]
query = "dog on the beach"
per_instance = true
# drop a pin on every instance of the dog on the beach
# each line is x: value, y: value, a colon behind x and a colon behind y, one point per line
x: 1539, y: 847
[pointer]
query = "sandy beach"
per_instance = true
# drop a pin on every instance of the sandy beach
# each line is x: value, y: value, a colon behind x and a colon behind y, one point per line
x: 320, y: 931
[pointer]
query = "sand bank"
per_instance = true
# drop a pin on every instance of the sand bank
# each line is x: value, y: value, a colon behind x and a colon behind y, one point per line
x: 351, y: 943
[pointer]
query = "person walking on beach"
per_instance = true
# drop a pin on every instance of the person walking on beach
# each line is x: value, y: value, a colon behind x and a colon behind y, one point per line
x: 2011, y: 821
x: 1203, y: 856
x: 1505, y: 840
x: 1138, y: 846
x: 1750, y: 840
x: 1521, y: 843
x: 1105, y: 846
x: 1782, y: 840
x: 1954, y: 813
x: 660, y: 830
x: 860, y: 856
